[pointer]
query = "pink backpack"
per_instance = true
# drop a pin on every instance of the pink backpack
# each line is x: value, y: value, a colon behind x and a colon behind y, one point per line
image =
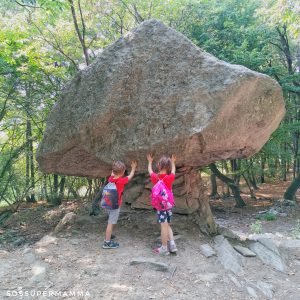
x: 161, y: 196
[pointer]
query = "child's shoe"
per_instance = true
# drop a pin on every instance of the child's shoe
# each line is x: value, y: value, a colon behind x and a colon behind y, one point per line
x: 110, y: 245
x: 162, y: 250
x: 172, y: 247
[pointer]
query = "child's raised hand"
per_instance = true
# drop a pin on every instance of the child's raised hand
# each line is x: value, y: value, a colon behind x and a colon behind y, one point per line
x: 173, y: 158
x: 133, y: 164
x: 150, y: 157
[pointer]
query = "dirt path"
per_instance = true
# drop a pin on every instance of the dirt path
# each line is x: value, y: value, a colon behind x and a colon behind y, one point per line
x: 72, y: 265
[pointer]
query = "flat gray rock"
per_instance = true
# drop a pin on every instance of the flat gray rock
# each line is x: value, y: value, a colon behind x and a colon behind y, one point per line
x: 266, y: 289
x: 66, y: 220
x: 268, y: 257
x: 228, y: 233
x: 228, y: 257
x: 235, y: 281
x: 268, y: 243
x: 251, y: 292
x: 244, y: 251
x: 157, y: 265
x: 207, y: 250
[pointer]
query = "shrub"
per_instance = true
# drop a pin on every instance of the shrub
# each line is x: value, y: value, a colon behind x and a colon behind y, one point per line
x: 270, y: 217
x: 256, y: 227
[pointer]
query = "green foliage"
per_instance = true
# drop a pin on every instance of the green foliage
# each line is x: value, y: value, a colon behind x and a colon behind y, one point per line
x: 256, y: 227
x: 229, y: 30
x: 55, y: 200
x: 269, y: 217
x: 281, y: 12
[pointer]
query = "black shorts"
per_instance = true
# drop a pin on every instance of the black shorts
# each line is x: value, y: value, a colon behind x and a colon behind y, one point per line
x: 164, y: 216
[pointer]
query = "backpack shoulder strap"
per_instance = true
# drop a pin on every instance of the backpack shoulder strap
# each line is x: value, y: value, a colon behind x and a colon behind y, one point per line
x: 162, y: 178
x: 159, y: 178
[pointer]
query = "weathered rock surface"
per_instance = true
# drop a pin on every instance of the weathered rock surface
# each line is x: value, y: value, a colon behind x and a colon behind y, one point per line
x: 244, y: 251
x: 157, y: 265
x: 228, y: 257
x: 266, y: 289
x: 154, y: 90
x: 235, y: 281
x: 268, y: 243
x: 39, y: 272
x: 251, y: 292
x: 228, y: 233
x: 269, y: 256
x: 207, y: 250
x: 66, y: 220
x: 188, y: 189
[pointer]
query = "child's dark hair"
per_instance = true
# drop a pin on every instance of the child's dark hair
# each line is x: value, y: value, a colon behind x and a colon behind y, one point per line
x: 164, y: 163
x: 118, y: 168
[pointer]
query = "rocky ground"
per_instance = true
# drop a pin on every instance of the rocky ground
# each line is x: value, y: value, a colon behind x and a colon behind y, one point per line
x: 43, y: 257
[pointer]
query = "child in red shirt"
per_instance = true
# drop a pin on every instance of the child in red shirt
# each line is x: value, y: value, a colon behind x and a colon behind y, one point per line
x: 118, y: 170
x: 166, y: 172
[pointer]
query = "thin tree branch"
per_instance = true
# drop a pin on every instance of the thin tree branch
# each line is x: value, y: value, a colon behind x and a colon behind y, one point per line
x: 25, y: 5
x: 136, y: 12
x: 2, y: 112
x: 276, y: 45
x: 56, y: 47
x: 150, y: 10
x: 132, y: 13
x: 80, y: 37
x: 82, y: 21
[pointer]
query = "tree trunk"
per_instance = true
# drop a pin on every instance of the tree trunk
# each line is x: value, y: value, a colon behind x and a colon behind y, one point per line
x: 251, y: 190
x: 214, y: 186
x: 44, y: 189
x: 55, y: 199
x: 237, y: 196
x: 71, y: 190
x: 195, y: 187
x: 225, y: 167
x: 32, y: 196
x: 27, y: 179
x: 262, y: 165
x: 62, y: 187
x: 284, y: 163
x: 290, y: 193
x: 235, y: 166
x: 230, y: 182
x: 55, y: 184
x: 271, y: 166
x: 252, y: 180
x: 29, y: 163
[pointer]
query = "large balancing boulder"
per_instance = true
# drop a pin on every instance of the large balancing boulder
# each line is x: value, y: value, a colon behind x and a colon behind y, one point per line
x: 154, y: 90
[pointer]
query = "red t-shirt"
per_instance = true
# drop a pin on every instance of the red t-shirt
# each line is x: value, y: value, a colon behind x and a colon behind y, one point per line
x: 120, y: 183
x: 168, y: 179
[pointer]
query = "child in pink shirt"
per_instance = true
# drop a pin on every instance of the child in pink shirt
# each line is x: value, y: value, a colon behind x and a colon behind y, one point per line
x: 166, y: 172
